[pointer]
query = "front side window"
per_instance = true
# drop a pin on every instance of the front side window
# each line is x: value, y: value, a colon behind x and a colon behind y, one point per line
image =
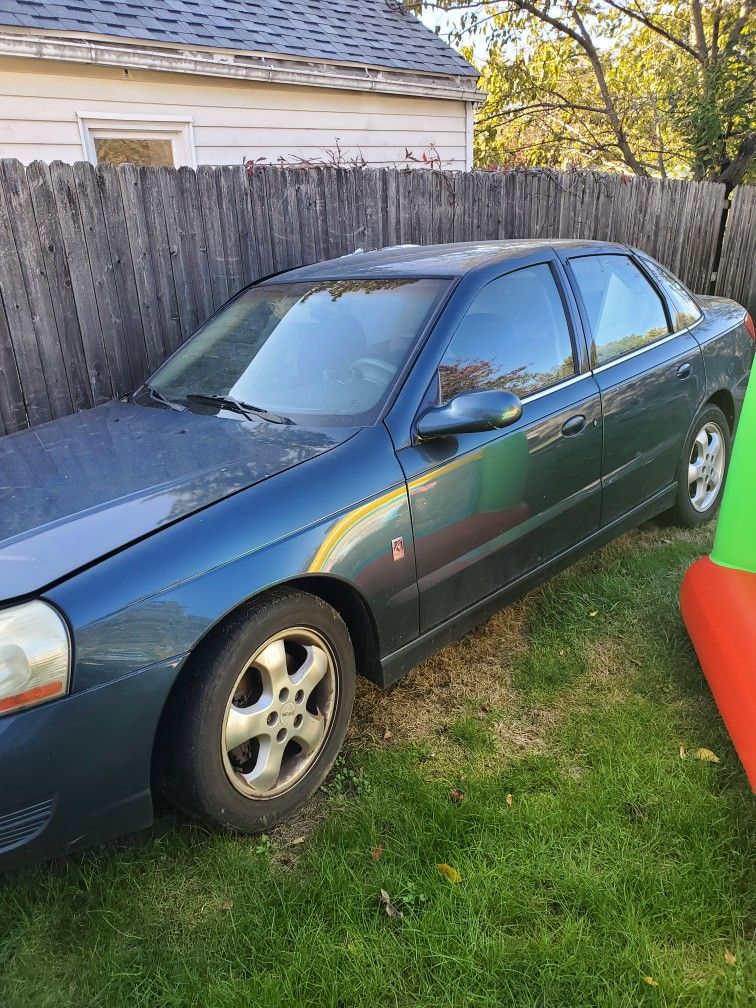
x: 514, y: 337
x: 320, y: 352
x: 624, y: 311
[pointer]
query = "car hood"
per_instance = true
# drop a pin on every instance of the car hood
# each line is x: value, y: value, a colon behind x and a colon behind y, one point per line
x: 78, y: 488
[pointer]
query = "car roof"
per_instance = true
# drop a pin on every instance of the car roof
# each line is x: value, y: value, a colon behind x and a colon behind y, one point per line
x: 433, y: 260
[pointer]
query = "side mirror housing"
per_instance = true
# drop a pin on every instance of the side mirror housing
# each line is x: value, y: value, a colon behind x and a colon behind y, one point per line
x: 470, y: 413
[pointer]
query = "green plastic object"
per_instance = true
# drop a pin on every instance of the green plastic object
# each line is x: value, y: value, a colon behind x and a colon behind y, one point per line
x: 735, y: 541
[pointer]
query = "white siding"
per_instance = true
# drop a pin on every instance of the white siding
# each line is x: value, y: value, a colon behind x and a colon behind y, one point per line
x: 232, y: 119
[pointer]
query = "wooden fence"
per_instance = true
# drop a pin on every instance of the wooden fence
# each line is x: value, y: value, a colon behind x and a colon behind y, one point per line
x: 736, y: 277
x: 104, y: 271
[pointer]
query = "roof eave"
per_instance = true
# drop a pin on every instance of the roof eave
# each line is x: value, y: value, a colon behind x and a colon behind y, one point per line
x: 276, y: 69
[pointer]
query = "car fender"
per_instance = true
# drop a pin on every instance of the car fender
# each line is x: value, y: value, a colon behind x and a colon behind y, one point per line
x: 343, y: 516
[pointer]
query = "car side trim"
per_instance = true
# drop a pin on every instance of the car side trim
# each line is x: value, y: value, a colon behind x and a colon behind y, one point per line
x: 639, y: 351
x: 553, y: 388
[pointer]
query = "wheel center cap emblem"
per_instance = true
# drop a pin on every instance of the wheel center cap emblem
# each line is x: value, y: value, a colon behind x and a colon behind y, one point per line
x: 288, y: 712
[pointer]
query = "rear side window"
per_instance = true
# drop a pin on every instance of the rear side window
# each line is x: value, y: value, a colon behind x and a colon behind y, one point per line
x: 624, y: 311
x: 514, y: 337
x: 685, y: 311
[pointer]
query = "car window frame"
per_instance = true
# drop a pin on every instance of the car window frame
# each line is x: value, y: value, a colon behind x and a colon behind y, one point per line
x: 552, y: 263
x: 652, y: 265
x: 625, y: 253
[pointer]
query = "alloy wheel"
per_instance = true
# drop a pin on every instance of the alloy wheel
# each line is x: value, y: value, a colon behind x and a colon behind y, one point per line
x: 706, y: 467
x: 279, y: 713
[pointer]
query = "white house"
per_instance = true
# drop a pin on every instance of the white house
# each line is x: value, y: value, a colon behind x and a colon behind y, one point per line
x: 187, y: 82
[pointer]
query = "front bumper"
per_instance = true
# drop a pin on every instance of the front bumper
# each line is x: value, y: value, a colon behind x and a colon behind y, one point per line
x: 76, y: 771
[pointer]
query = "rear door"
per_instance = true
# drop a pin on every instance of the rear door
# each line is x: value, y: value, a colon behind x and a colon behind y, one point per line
x: 651, y: 377
x: 488, y: 508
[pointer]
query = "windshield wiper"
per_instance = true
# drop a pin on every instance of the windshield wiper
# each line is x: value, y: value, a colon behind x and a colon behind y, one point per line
x: 159, y: 397
x: 246, y: 409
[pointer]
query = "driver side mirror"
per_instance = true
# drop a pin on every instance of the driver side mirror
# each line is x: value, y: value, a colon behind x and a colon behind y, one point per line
x: 470, y: 413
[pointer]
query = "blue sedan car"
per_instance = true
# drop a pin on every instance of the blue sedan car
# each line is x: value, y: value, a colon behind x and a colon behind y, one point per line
x: 347, y: 466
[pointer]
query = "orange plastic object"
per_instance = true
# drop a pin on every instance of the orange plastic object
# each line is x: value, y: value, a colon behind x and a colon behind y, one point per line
x: 719, y: 608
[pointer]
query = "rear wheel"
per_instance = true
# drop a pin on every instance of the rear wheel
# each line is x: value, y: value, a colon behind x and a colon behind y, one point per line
x: 257, y: 719
x: 702, y: 468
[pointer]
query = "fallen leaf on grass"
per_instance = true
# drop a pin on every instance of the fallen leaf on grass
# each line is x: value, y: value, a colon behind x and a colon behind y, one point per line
x: 391, y: 910
x: 456, y: 796
x: 449, y: 873
x: 650, y: 981
x: 594, y: 613
x: 388, y: 735
x: 377, y: 853
x: 706, y: 755
x: 729, y: 958
x: 297, y: 841
x: 509, y: 799
x: 683, y: 752
x: 227, y: 905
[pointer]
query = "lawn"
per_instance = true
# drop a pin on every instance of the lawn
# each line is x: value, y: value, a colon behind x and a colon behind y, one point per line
x: 548, y: 758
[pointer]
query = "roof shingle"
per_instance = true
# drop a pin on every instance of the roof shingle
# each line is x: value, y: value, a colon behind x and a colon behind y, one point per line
x: 377, y: 33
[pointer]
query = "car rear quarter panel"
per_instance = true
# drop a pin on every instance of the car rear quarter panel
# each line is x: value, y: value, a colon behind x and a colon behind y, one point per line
x: 727, y: 348
x: 334, y: 516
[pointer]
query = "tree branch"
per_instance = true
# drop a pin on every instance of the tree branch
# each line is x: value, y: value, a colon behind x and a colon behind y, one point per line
x: 513, y: 113
x: 734, y: 172
x: 699, y: 33
x: 644, y: 19
x: 746, y: 9
x: 585, y: 41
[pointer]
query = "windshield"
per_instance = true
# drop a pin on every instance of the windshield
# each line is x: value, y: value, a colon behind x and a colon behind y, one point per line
x: 321, y: 353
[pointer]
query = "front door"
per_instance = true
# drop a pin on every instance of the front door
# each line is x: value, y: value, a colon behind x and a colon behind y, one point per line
x: 488, y: 508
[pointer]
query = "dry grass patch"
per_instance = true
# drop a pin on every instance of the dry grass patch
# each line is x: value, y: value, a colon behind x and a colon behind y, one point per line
x: 471, y: 676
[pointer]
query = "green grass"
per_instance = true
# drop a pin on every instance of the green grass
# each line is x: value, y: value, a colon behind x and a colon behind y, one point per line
x: 614, y: 859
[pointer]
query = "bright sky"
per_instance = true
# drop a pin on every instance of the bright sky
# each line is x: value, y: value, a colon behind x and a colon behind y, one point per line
x: 446, y: 20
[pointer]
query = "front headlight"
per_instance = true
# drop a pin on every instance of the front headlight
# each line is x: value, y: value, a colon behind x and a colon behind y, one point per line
x: 35, y: 656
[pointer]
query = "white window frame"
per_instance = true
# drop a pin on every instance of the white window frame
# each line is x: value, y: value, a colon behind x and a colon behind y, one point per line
x: 179, y: 130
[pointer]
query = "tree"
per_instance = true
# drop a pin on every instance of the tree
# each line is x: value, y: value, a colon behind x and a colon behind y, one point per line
x: 662, y: 87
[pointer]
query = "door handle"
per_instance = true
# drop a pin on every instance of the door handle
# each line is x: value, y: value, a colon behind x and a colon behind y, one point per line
x: 684, y: 371
x: 573, y: 426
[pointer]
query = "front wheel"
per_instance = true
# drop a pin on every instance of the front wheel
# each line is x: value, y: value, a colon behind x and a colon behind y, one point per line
x: 257, y: 719
x: 702, y: 468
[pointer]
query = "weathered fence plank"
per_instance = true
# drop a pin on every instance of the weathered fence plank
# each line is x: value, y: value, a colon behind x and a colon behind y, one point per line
x: 103, y: 278
x: 23, y: 339
x: 55, y: 264
x: 736, y: 277
x: 13, y: 414
x: 141, y: 258
x: 104, y: 271
x: 123, y: 269
x: 23, y: 224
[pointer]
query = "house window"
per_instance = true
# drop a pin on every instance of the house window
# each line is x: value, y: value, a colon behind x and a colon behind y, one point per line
x: 141, y: 140
x: 138, y: 151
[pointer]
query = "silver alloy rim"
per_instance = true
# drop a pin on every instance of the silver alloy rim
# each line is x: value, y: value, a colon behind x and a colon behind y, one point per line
x: 706, y: 467
x: 279, y: 713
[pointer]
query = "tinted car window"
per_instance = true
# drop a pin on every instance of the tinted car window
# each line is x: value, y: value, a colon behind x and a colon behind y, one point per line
x: 514, y: 336
x: 624, y: 311
x: 323, y: 352
x: 685, y: 311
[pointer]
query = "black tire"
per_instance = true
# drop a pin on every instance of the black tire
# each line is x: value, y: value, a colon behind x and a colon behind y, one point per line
x: 192, y: 768
x: 683, y: 512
